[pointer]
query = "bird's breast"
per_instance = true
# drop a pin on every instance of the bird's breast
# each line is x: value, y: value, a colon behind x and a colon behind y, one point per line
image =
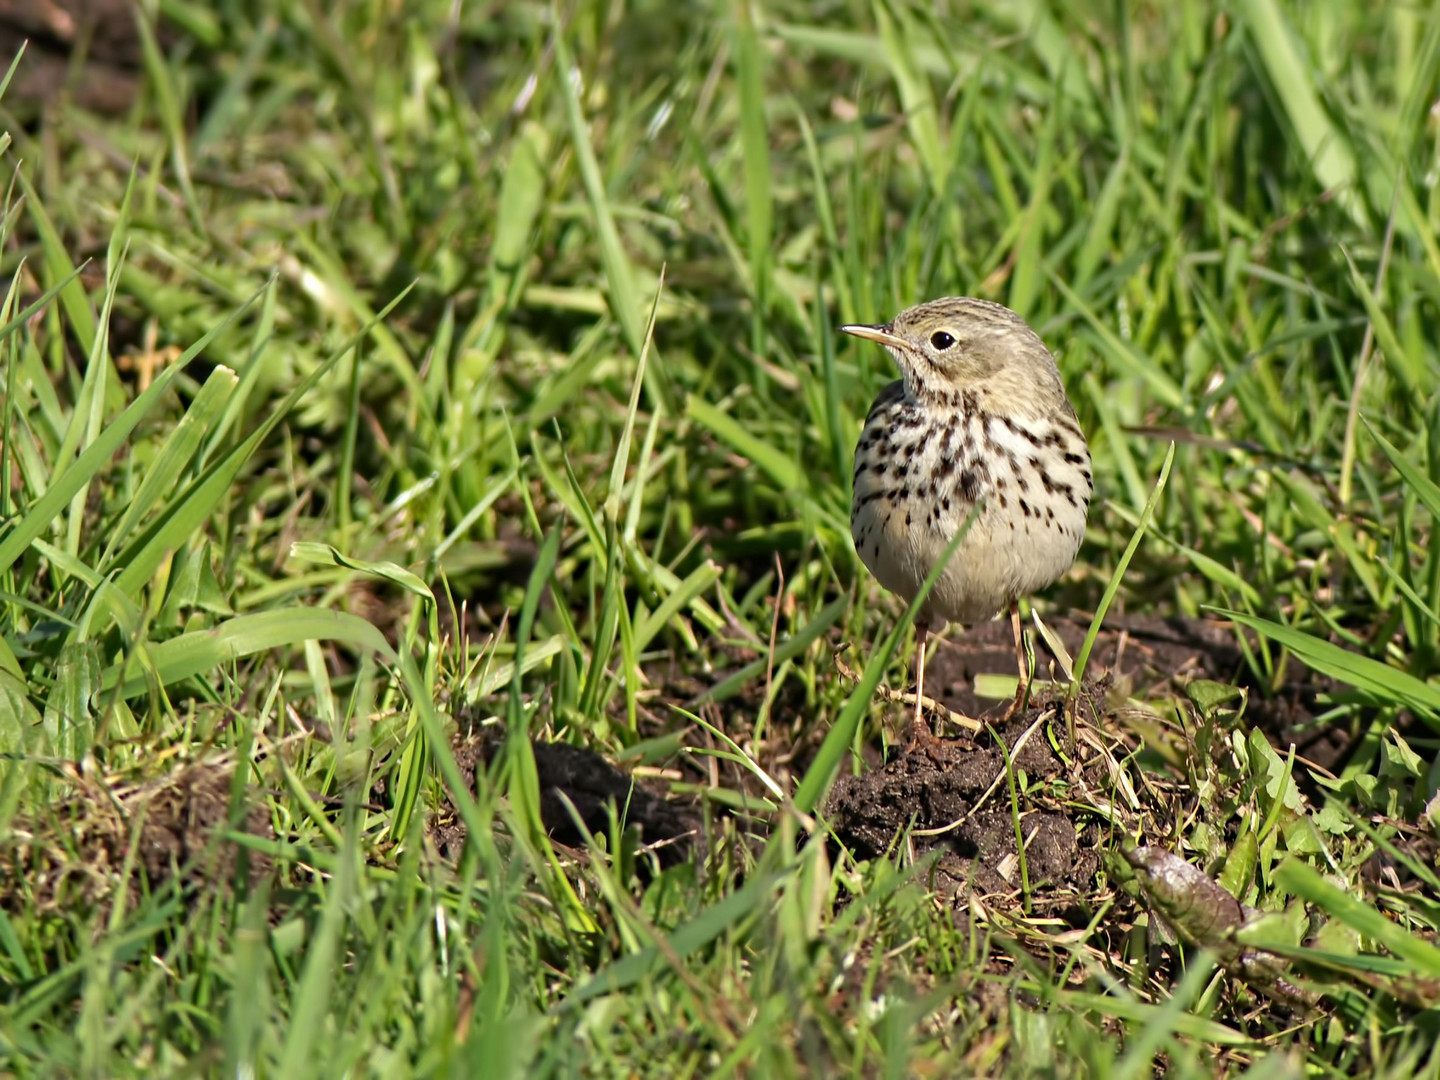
x: 920, y: 472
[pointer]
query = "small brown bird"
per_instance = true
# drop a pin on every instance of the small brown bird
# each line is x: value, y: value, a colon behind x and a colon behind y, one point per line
x: 979, y: 417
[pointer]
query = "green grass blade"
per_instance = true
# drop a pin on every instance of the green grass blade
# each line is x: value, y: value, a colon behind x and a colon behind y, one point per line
x: 786, y: 473
x: 1290, y: 74
x: 1381, y: 680
x: 180, y: 448
x: 523, y: 787
x: 201, y: 651
x: 922, y: 117
x: 619, y: 273
x: 754, y: 155
x: 171, y: 113
x: 1082, y: 658
x: 699, y: 580
x: 1303, y: 881
x: 187, y: 513
x: 816, y: 780
x: 791, y: 647
x: 94, y: 457
x: 1426, y: 490
x: 684, y: 941
x: 1123, y: 353
x: 73, y: 300
x: 622, y: 449
x: 326, y: 555
x: 306, y: 1036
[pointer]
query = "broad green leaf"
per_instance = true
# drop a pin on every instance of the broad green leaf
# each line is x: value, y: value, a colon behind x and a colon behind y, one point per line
x: 69, y: 722
x: 522, y: 195
x: 1303, y: 881
x: 8, y: 663
x: 202, y: 651
x: 18, y: 715
x: 1382, y: 680
x: 192, y: 585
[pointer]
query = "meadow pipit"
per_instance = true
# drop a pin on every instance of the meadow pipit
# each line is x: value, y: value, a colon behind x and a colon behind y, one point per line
x: 979, y: 417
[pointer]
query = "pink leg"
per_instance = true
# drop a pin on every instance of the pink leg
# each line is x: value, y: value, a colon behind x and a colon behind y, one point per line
x: 1022, y: 667
x: 921, y: 634
x: 920, y: 736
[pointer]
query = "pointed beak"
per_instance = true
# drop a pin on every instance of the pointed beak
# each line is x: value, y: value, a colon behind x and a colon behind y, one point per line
x: 878, y: 334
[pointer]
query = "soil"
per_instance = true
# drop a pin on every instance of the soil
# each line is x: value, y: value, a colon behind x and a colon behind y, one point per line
x: 75, y: 855
x: 181, y: 819
x: 954, y: 796
x: 100, y: 34
x: 591, y: 784
x: 951, y: 797
x: 1134, y: 656
x: 1148, y: 655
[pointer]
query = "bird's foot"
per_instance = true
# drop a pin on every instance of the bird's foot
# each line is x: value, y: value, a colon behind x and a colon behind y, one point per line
x: 919, y: 739
x: 1017, y: 704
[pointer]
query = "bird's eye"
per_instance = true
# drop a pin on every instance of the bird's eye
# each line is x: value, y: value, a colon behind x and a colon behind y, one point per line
x: 941, y: 340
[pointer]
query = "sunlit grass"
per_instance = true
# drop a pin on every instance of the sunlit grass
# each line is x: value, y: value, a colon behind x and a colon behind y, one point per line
x: 382, y: 375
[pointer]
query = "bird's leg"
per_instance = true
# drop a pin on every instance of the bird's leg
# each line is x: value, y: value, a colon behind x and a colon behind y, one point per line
x: 921, y: 633
x: 1021, y: 663
x: 920, y: 735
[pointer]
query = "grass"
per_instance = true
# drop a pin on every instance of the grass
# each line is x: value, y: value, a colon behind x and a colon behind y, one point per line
x: 384, y: 377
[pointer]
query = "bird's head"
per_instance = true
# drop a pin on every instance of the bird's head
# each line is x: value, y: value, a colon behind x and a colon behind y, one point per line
x: 959, y: 343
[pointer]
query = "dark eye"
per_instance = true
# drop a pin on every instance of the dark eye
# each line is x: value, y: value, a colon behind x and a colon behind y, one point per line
x: 941, y: 340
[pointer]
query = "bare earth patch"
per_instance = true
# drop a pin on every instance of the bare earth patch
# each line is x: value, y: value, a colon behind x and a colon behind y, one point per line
x: 574, y: 776
x: 78, y: 853
x: 1147, y: 655
x: 957, y: 798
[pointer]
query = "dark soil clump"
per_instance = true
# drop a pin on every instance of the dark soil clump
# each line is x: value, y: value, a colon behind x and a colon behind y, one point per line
x: 1149, y: 654
x: 101, y: 32
x: 591, y: 784
x: 956, y: 797
x: 75, y: 855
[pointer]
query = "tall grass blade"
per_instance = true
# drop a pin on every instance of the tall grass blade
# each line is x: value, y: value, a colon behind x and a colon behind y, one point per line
x: 1290, y: 73
x: 1381, y: 680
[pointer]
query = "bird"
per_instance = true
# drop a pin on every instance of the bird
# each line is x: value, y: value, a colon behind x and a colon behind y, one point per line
x: 979, y: 418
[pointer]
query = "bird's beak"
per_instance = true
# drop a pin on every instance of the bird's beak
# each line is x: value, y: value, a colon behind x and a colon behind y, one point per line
x: 879, y: 334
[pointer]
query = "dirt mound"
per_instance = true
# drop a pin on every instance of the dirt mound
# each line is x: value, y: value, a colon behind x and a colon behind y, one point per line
x: 76, y: 855
x: 89, y: 50
x: 591, y: 784
x: 1148, y: 655
x: 957, y: 796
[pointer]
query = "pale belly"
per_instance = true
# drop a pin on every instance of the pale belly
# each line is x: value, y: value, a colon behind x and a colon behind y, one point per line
x: 993, y: 565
